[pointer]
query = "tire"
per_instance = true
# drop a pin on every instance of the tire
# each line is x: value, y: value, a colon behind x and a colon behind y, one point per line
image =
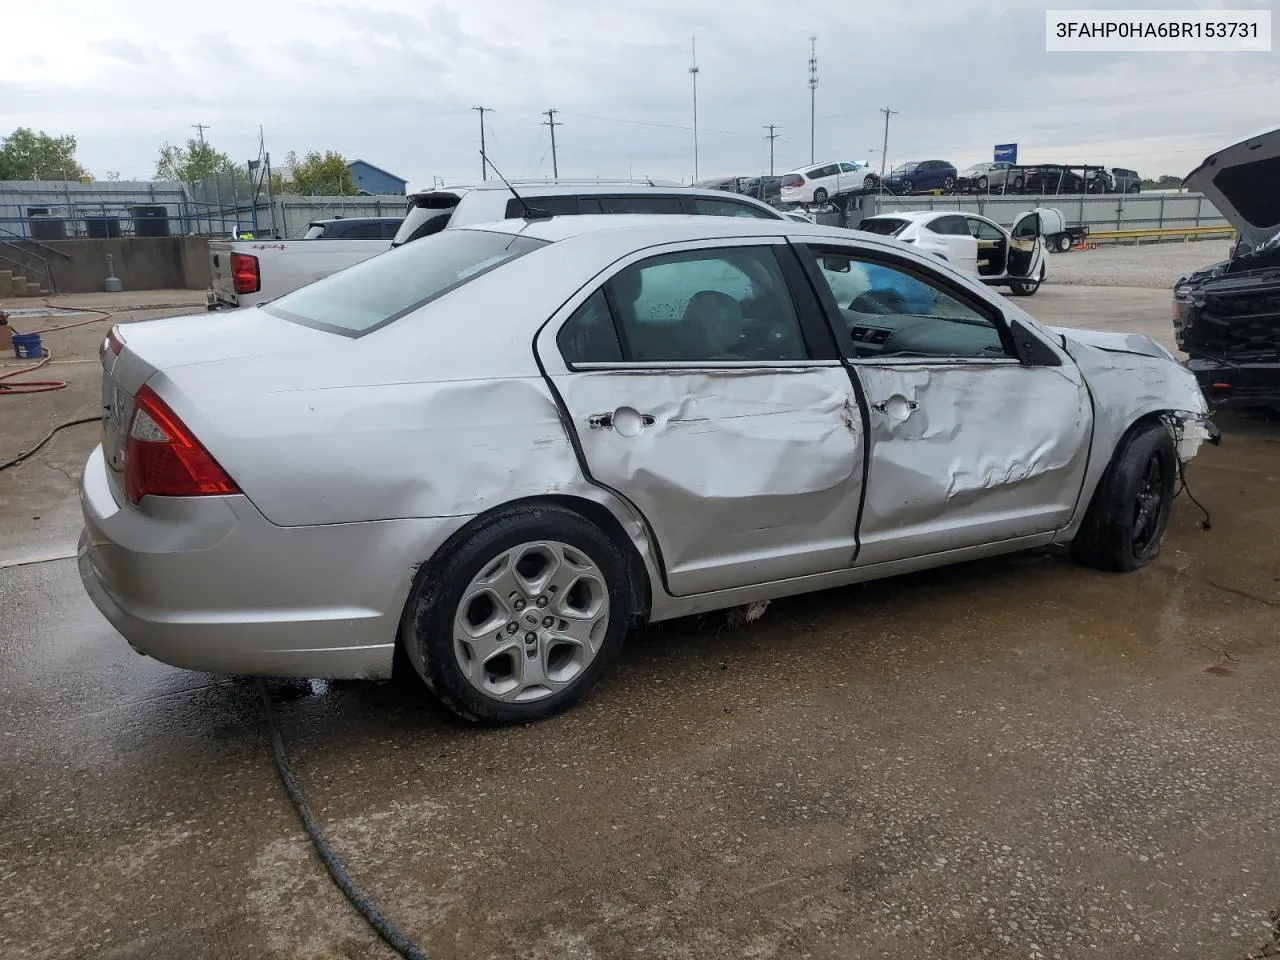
x: 1130, y: 509
x: 485, y: 576
x: 907, y: 187
x: 1027, y: 288
x: 1062, y: 243
x: 949, y: 185
x: 1133, y: 188
x: 1018, y: 184
x: 983, y: 183
x: 870, y: 181
x: 820, y: 195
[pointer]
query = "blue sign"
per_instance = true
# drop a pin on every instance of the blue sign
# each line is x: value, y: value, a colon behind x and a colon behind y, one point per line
x: 1006, y: 153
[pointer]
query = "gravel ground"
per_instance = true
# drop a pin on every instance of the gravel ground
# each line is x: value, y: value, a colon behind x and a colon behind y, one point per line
x: 1154, y: 265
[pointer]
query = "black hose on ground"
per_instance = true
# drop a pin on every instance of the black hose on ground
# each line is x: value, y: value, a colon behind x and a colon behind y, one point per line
x: 384, y: 928
x: 6, y: 464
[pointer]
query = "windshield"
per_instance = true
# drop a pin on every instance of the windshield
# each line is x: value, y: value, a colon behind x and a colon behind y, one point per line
x: 885, y: 226
x: 383, y: 289
x: 907, y: 167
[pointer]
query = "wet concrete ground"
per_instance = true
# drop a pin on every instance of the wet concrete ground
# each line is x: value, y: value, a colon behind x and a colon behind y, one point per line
x: 1013, y: 758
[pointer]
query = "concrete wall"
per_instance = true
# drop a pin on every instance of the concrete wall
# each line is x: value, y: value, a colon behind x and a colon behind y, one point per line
x: 141, y: 263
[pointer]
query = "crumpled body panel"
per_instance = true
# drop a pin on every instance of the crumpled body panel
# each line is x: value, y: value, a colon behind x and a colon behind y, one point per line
x: 745, y: 475
x: 968, y: 453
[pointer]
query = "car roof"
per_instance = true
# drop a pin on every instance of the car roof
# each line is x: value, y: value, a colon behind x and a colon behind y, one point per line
x: 652, y: 229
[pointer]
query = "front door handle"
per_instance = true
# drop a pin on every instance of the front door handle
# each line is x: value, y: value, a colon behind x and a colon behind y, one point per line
x: 897, y: 408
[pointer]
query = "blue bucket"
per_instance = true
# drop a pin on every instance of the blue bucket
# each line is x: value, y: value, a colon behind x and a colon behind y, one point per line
x: 27, y: 346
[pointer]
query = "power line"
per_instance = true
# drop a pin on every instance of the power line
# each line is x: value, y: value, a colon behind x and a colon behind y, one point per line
x: 770, y: 136
x: 484, y: 160
x: 551, y: 122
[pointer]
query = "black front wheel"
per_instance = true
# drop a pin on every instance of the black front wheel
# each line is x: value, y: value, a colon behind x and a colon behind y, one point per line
x: 1130, y: 509
x: 820, y: 195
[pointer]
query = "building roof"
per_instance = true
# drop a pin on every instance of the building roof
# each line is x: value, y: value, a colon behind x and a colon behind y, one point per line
x: 378, y: 169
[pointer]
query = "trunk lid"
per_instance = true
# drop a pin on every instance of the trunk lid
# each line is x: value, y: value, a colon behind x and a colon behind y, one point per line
x: 1240, y: 181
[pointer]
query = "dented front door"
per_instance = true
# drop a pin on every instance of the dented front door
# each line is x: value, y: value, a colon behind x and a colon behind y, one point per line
x: 969, y: 452
x: 744, y: 475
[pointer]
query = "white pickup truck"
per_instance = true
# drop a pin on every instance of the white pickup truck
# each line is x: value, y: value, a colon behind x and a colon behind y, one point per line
x: 245, y: 272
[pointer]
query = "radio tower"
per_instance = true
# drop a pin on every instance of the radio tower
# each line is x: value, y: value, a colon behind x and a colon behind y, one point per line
x: 813, y: 89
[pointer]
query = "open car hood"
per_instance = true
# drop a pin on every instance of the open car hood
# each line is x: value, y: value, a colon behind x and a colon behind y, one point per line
x: 1240, y: 181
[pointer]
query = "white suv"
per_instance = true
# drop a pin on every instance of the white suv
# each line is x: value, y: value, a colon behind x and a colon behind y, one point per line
x: 821, y: 182
x: 433, y: 210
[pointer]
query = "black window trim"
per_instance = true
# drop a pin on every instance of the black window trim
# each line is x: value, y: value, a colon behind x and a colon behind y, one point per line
x: 805, y: 250
x: 810, y: 316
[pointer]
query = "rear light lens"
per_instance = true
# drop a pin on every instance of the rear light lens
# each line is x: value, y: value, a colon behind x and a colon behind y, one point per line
x: 792, y: 182
x: 244, y: 273
x: 164, y: 459
x: 115, y: 340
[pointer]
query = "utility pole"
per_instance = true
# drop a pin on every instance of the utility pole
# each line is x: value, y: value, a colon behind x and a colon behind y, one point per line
x: 693, y: 72
x: 484, y: 160
x: 770, y: 136
x: 884, y: 150
x: 200, y: 128
x: 551, y: 122
x: 813, y: 89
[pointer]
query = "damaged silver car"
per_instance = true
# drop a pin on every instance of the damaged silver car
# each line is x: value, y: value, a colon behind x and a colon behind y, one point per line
x: 488, y: 455
x: 1227, y: 316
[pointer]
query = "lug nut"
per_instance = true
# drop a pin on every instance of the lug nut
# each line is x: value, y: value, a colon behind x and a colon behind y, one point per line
x: 548, y: 621
x: 541, y: 601
x: 530, y: 637
x: 512, y: 628
x: 519, y: 605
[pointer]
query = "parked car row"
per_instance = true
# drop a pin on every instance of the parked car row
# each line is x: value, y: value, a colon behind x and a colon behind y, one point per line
x: 1046, y: 178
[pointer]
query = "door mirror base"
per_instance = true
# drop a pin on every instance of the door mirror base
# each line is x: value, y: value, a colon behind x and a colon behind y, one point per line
x: 1030, y: 350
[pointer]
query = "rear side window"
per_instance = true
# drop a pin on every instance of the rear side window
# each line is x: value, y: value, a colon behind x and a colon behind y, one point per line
x: 589, y: 336
x: 359, y: 230
x: 559, y: 206
x: 706, y: 207
x: 640, y: 204
x: 884, y: 226
x: 423, y: 222
x: 378, y: 291
x: 949, y: 226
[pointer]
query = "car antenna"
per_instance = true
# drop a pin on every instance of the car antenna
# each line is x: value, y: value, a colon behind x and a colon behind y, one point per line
x: 530, y: 213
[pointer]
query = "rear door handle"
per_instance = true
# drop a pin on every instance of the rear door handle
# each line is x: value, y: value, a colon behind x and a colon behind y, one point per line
x: 605, y: 421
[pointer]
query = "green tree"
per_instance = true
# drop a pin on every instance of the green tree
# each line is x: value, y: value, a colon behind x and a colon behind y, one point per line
x: 193, y: 162
x: 319, y: 175
x: 27, y: 155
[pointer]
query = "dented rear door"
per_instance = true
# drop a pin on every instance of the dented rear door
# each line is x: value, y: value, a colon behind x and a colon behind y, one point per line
x: 746, y: 469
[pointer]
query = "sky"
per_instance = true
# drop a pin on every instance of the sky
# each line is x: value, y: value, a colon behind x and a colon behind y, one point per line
x: 393, y: 82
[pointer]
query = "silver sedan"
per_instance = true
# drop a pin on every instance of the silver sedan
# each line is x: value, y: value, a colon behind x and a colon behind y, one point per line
x: 488, y: 455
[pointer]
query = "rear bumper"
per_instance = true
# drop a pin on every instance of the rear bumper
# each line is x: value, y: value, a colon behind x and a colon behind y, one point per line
x: 1227, y: 384
x: 207, y: 583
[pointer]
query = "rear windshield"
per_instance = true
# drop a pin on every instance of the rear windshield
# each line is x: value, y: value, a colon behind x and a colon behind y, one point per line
x: 378, y: 291
x: 885, y: 226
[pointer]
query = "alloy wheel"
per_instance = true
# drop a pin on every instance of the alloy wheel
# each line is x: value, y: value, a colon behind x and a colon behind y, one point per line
x: 531, y: 621
x: 1149, y: 506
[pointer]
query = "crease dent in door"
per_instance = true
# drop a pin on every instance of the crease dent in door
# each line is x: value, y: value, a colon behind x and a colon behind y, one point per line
x: 720, y: 444
x: 937, y: 474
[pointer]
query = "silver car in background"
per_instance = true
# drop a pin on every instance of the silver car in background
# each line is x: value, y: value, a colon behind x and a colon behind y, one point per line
x: 491, y: 453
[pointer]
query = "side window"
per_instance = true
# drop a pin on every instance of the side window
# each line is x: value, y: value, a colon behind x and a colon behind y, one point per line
x: 848, y: 168
x: 896, y: 312
x: 1027, y: 228
x: 560, y: 206
x: 636, y: 203
x: 589, y: 335
x: 707, y: 305
x: 706, y: 207
x: 949, y: 226
x: 983, y: 230
x: 367, y: 230
x: 390, y: 228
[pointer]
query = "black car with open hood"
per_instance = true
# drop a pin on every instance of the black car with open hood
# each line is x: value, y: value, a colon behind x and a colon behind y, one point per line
x: 1227, y: 316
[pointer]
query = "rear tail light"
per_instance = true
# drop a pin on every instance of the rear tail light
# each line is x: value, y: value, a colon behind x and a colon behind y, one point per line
x: 244, y: 273
x: 115, y: 340
x: 164, y: 459
x: 793, y: 182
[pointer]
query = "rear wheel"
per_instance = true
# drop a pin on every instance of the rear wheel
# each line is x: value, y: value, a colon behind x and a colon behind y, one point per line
x: 521, y: 618
x: 1018, y: 184
x: 1130, y: 509
x: 820, y: 195
x: 1062, y: 243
